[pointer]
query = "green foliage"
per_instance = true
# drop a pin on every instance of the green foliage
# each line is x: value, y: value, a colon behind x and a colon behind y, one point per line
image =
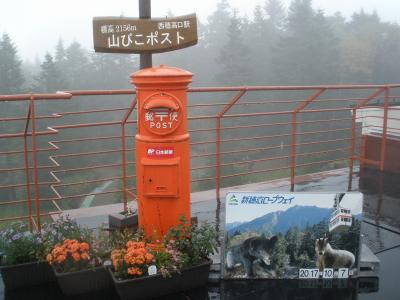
x: 233, y: 57
x: 18, y: 245
x: 293, y: 239
x: 64, y: 228
x: 279, y: 258
x: 11, y: 78
x: 49, y: 79
x: 195, y: 242
x: 119, y: 238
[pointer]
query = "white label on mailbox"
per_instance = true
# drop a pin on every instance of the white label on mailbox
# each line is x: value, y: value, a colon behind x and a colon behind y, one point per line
x: 160, y: 152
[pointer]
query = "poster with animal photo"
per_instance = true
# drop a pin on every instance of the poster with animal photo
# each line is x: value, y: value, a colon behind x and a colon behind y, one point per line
x: 292, y: 235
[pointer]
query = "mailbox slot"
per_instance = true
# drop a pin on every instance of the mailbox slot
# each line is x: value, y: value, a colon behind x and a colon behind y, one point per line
x: 161, y: 103
x: 160, y: 177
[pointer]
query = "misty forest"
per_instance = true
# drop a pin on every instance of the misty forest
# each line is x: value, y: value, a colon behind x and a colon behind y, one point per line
x: 297, y: 46
x: 281, y: 46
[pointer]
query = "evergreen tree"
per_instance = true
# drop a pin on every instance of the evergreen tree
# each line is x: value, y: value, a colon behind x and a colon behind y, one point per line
x: 280, y: 259
x: 11, y: 78
x: 308, y: 52
x: 49, y: 79
x: 293, y: 239
x: 61, y: 54
x: 276, y: 13
x: 259, y: 34
x: 308, y: 243
x: 77, y: 69
x: 112, y: 70
x: 234, y: 57
x: 369, y: 50
x: 215, y: 37
x: 386, y: 61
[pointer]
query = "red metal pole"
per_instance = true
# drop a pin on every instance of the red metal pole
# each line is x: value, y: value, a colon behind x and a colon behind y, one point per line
x: 299, y: 108
x: 293, y: 150
x: 35, y: 164
x: 27, y: 177
x: 218, y: 158
x: 352, y: 147
x: 384, y: 129
x: 123, y: 152
x: 220, y: 115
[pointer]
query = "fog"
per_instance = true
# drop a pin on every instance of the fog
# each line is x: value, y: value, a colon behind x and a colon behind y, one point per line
x: 36, y: 26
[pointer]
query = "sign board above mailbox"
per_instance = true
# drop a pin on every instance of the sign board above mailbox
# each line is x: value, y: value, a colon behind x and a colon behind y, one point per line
x: 134, y: 35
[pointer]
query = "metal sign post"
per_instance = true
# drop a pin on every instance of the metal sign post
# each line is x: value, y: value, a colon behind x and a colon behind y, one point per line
x: 146, y: 60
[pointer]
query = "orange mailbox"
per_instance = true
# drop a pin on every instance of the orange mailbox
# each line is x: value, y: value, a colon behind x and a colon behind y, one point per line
x: 162, y: 148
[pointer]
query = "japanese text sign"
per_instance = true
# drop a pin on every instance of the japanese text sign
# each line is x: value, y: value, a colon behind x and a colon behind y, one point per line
x: 134, y: 35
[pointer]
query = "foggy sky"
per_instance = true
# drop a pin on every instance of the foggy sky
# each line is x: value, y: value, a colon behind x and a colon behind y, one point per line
x: 36, y: 26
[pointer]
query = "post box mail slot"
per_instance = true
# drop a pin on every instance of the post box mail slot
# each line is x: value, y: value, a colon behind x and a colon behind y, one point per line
x: 162, y: 113
x: 160, y: 177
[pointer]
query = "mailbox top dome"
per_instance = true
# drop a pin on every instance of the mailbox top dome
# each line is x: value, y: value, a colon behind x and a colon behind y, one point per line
x: 161, y: 74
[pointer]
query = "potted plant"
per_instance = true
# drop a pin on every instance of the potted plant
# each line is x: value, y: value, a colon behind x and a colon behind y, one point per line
x: 77, y: 268
x: 178, y: 262
x: 23, y: 263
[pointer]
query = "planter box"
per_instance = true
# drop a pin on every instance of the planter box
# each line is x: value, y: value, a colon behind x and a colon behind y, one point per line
x: 120, y: 221
x: 26, y: 275
x: 154, y: 286
x: 86, y: 281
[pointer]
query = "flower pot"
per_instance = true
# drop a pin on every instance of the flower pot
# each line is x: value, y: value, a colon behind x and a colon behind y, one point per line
x: 85, y: 281
x: 155, y: 285
x: 25, y: 275
x: 121, y: 220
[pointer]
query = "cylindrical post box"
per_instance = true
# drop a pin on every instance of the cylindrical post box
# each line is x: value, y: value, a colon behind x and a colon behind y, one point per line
x: 162, y: 148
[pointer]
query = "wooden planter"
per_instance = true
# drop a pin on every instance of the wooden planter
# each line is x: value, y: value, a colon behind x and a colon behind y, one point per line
x: 85, y: 281
x: 147, y: 287
x: 26, y: 275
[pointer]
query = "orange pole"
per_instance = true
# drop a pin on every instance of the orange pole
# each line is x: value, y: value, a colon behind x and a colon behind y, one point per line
x: 35, y: 164
x: 218, y: 158
x: 384, y: 129
x: 27, y: 177
x: 299, y: 108
x: 123, y: 153
x: 293, y: 150
x: 220, y: 115
x: 352, y: 148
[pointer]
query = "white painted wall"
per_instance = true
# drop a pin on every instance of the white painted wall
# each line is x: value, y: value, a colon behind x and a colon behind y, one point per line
x: 372, y: 120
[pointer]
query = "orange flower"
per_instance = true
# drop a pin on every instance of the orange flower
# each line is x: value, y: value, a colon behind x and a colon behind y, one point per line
x: 49, y: 258
x: 60, y: 258
x: 76, y: 256
x: 84, y: 246
x: 134, y: 271
x: 85, y: 256
x: 149, y: 258
x: 130, y: 244
x: 74, y: 247
x: 57, y: 250
x: 140, y: 260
